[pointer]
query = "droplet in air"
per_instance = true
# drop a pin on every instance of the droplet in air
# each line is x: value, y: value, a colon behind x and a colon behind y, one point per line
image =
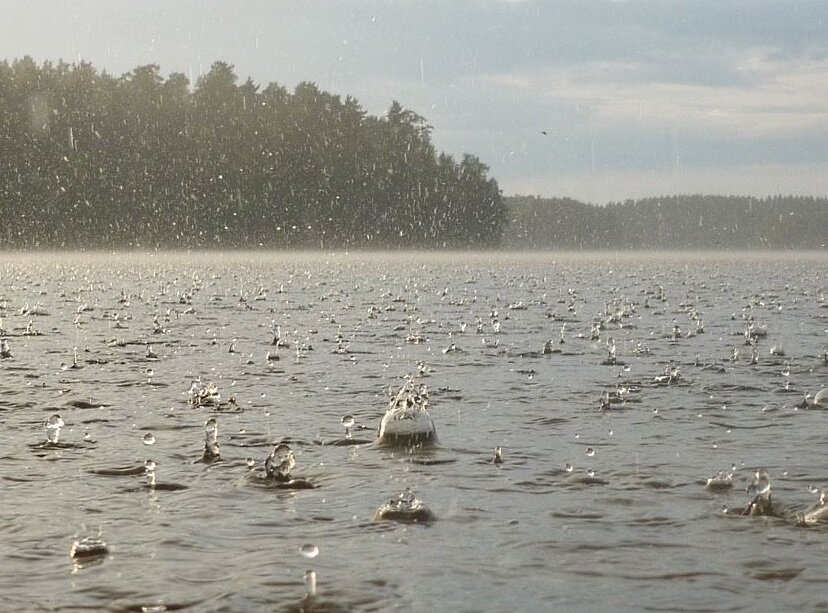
x: 149, y: 439
x: 309, y: 550
x: 569, y: 468
x: 590, y: 451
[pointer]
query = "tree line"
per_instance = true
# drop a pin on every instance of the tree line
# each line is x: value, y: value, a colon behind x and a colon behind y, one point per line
x: 88, y: 160
x: 671, y: 222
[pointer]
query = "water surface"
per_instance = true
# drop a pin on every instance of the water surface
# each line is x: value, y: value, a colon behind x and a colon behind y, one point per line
x: 115, y: 341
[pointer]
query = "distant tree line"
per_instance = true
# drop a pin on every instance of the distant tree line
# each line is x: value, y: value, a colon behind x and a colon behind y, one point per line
x: 93, y: 161
x: 672, y: 222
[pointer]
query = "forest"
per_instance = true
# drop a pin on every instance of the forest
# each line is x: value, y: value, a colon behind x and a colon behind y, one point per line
x: 92, y: 161
x: 140, y: 161
x: 670, y: 222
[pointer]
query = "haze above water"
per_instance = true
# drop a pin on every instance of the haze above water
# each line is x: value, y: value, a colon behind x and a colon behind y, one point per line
x: 590, y: 508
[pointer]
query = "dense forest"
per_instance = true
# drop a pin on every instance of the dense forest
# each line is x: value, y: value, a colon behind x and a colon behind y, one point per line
x: 672, y: 222
x: 88, y: 160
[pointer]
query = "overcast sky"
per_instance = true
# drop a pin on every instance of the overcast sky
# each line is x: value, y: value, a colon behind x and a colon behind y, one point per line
x: 636, y: 98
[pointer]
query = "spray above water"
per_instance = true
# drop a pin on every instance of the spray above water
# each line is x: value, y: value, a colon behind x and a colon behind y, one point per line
x: 280, y: 462
x: 149, y: 473
x: 211, y: 444
x: 348, y: 424
x: 53, y: 427
x: 405, y: 507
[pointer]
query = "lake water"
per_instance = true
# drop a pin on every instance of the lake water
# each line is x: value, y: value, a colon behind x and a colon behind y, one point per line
x: 591, y: 509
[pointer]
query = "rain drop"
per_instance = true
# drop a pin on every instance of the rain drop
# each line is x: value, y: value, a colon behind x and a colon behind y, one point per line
x: 149, y: 439
x: 309, y: 550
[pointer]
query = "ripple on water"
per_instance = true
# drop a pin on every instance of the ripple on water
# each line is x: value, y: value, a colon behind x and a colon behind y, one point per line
x: 640, y: 519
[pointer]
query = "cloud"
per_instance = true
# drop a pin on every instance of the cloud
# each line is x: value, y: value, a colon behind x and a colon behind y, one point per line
x: 640, y: 86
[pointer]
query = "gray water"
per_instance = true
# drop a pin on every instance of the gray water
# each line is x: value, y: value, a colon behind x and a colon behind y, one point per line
x: 643, y: 533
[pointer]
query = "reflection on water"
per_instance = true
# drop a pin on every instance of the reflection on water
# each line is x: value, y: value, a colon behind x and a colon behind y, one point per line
x: 611, y: 388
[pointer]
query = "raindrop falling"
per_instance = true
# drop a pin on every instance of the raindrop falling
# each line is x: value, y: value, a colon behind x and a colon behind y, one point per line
x: 251, y: 462
x: 309, y: 550
x: 590, y: 451
x: 569, y: 468
x: 149, y: 439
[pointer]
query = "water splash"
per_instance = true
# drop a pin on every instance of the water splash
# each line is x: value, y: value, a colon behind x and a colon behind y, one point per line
x: 53, y: 427
x: 203, y: 393
x: 405, y: 507
x: 212, y: 449
x: 310, y: 583
x: 5, y: 349
x: 149, y: 473
x: 498, y: 456
x: 148, y: 439
x: 88, y: 547
x: 722, y: 480
x: 348, y: 424
x: 280, y: 462
x: 760, y: 485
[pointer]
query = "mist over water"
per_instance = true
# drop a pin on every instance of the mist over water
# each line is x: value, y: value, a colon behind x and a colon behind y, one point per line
x: 614, y: 386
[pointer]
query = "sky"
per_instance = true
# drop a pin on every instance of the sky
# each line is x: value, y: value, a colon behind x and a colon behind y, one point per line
x: 597, y: 100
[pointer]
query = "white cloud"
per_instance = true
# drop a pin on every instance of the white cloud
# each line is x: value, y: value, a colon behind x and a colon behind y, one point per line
x: 786, y: 97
